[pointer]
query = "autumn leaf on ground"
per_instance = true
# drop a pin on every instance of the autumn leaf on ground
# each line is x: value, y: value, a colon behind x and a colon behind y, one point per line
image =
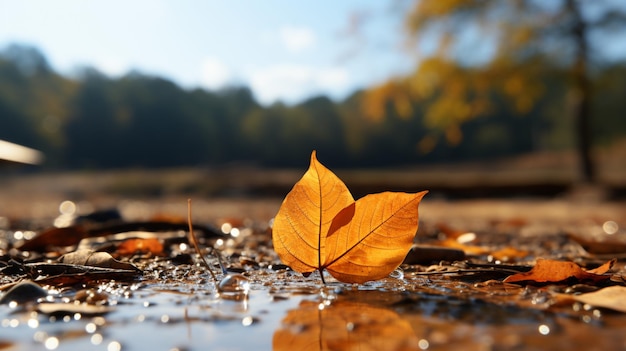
x: 612, y: 297
x: 139, y: 245
x: 599, y: 247
x: 95, y: 259
x: 320, y: 226
x: 459, y: 239
x: 551, y: 271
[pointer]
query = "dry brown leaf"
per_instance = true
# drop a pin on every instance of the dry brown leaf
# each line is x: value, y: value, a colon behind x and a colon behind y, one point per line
x: 461, y: 239
x: 95, y: 259
x: 468, y: 249
x: 138, y: 245
x: 612, y: 297
x: 551, y: 271
x: 320, y: 226
x: 55, y: 237
x: 600, y: 247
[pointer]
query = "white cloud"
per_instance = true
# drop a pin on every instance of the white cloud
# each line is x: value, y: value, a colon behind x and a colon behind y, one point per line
x: 215, y: 74
x: 112, y: 67
x: 297, y: 39
x: 292, y: 83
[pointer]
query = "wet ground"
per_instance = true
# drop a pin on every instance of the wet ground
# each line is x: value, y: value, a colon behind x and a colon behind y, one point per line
x: 449, y: 294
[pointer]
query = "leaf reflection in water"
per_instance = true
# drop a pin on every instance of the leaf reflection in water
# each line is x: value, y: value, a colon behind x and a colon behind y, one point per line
x: 343, y: 326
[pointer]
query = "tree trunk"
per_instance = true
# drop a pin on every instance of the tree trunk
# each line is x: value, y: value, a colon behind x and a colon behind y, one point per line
x: 582, y: 94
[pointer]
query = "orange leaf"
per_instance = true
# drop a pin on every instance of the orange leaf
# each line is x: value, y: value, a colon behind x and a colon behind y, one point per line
x: 320, y: 226
x: 301, y: 225
x: 551, y: 271
x: 377, y: 238
x: 133, y: 246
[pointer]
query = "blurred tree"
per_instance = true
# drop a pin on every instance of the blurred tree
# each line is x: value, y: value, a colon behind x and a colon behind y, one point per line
x: 470, y: 51
x: 92, y: 132
x: 30, y: 88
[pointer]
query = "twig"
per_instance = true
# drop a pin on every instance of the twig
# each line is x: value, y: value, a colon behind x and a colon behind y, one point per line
x: 195, y: 242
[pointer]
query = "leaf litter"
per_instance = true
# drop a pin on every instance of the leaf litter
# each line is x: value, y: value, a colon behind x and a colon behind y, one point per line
x: 441, y: 296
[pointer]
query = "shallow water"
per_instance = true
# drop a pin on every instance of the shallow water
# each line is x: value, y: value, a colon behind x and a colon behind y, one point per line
x: 175, y: 305
x: 395, y: 314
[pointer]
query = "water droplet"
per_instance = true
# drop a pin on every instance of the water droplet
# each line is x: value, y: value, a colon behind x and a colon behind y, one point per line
x: 114, y: 346
x: 397, y: 274
x: 51, y: 343
x: 226, y: 228
x: 597, y: 313
x: 90, y: 328
x: 96, y: 339
x: 610, y: 227
x: 234, y: 286
x: 235, y: 232
x: 40, y: 336
x: 33, y: 323
x: 247, y: 321
x: 67, y: 207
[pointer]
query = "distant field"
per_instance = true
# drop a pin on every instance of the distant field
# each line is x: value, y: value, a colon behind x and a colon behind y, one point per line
x: 528, y: 176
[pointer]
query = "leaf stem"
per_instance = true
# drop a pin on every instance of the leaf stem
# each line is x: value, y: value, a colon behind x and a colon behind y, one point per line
x: 195, y: 242
x: 321, y: 270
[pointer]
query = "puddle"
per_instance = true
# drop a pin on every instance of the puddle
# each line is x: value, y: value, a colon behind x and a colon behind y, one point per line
x: 261, y: 305
x: 294, y: 314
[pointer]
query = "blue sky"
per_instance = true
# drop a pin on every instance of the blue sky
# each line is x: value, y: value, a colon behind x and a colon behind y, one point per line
x: 287, y: 50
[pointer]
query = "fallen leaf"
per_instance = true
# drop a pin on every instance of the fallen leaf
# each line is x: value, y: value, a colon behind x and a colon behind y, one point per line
x: 304, y: 218
x: 600, y: 247
x: 69, y: 236
x: 473, y: 250
x: 508, y: 254
x: 603, y: 268
x: 133, y: 246
x: 551, y: 271
x: 612, y: 297
x: 54, y: 237
x: 95, y: 259
x: 457, y: 239
x: 320, y: 226
x: 376, y: 239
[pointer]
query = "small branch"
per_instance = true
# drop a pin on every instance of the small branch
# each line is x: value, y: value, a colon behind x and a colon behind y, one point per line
x: 195, y: 242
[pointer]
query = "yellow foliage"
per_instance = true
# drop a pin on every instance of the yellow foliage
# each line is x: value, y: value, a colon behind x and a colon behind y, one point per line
x: 427, y: 144
x: 451, y: 93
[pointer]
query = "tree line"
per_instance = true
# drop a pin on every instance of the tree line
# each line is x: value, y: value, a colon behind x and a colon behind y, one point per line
x: 94, y: 121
